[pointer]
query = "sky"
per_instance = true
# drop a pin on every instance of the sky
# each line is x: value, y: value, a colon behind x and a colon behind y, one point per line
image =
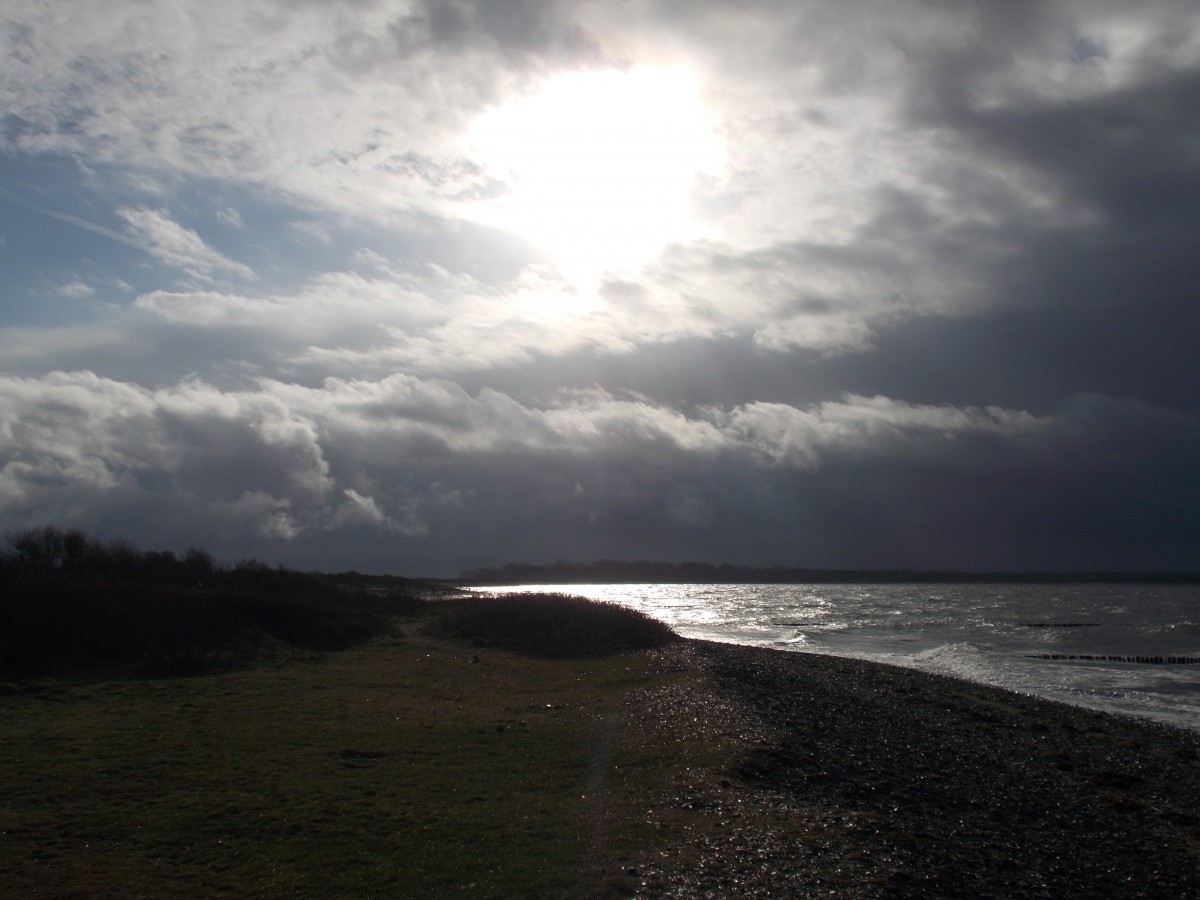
x: 417, y: 287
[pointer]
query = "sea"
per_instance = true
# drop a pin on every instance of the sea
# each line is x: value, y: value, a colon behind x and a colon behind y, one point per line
x: 1127, y: 649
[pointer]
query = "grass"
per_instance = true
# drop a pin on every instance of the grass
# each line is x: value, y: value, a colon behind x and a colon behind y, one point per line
x: 169, y: 728
x: 402, y: 768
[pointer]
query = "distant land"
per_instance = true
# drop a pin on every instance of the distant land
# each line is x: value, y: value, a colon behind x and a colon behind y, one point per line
x: 645, y: 572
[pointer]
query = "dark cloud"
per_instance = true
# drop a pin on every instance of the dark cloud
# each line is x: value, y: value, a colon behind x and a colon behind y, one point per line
x: 520, y: 31
x: 860, y: 481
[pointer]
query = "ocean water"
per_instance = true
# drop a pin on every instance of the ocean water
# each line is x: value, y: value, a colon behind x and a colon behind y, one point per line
x: 1129, y: 649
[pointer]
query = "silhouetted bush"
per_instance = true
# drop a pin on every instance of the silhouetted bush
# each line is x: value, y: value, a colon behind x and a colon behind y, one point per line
x: 324, y: 623
x: 62, y: 622
x: 556, y: 625
x: 70, y: 604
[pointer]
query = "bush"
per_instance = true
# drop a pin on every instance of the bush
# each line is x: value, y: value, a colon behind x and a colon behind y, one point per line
x: 60, y: 623
x: 556, y: 625
x: 70, y: 604
x: 64, y: 623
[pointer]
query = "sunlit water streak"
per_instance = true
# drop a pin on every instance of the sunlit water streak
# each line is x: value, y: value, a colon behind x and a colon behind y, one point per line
x: 989, y: 633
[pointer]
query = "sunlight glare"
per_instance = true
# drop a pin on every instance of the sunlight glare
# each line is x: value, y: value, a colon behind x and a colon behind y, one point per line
x: 600, y: 166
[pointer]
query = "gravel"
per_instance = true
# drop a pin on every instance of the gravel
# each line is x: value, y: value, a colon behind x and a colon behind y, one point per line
x: 864, y: 780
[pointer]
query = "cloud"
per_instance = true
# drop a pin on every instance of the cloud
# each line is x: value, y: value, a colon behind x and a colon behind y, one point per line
x: 880, y: 426
x: 428, y: 462
x: 277, y: 434
x: 349, y: 104
x: 429, y: 322
x: 337, y: 316
x: 313, y: 231
x: 276, y: 440
x: 166, y: 240
x: 167, y: 92
x: 517, y: 31
x: 32, y: 347
x: 209, y: 308
x: 361, y: 510
x: 938, y: 309
x: 76, y: 431
x: 231, y: 217
x: 76, y: 289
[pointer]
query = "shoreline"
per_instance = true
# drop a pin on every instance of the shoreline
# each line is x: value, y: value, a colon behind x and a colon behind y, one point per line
x: 1130, y: 652
x: 938, y: 787
x: 1157, y: 717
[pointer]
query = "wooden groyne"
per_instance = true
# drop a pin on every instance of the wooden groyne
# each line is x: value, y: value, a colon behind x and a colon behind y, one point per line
x: 1145, y: 660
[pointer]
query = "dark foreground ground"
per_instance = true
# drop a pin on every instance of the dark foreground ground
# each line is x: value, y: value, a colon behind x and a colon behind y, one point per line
x: 893, y: 783
x: 170, y: 728
x: 422, y: 766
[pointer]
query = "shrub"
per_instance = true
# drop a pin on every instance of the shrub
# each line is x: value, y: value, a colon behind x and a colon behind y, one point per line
x: 63, y: 623
x: 556, y: 625
x: 70, y: 604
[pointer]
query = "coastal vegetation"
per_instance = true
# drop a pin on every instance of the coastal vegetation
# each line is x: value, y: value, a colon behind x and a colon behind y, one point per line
x: 72, y: 604
x: 550, y: 625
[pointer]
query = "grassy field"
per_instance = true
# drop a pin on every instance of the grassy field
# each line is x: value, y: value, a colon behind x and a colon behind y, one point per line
x: 171, y: 727
x: 410, y: 766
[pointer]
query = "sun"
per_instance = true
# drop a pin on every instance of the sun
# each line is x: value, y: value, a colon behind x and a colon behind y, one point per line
x: 599, y: 168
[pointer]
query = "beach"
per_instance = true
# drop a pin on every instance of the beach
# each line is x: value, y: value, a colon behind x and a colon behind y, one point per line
x: 1123, y: 648
x: 895, y: 783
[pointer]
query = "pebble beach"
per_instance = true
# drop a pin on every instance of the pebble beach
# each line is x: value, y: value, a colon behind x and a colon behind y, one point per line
x: 895, y: 783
